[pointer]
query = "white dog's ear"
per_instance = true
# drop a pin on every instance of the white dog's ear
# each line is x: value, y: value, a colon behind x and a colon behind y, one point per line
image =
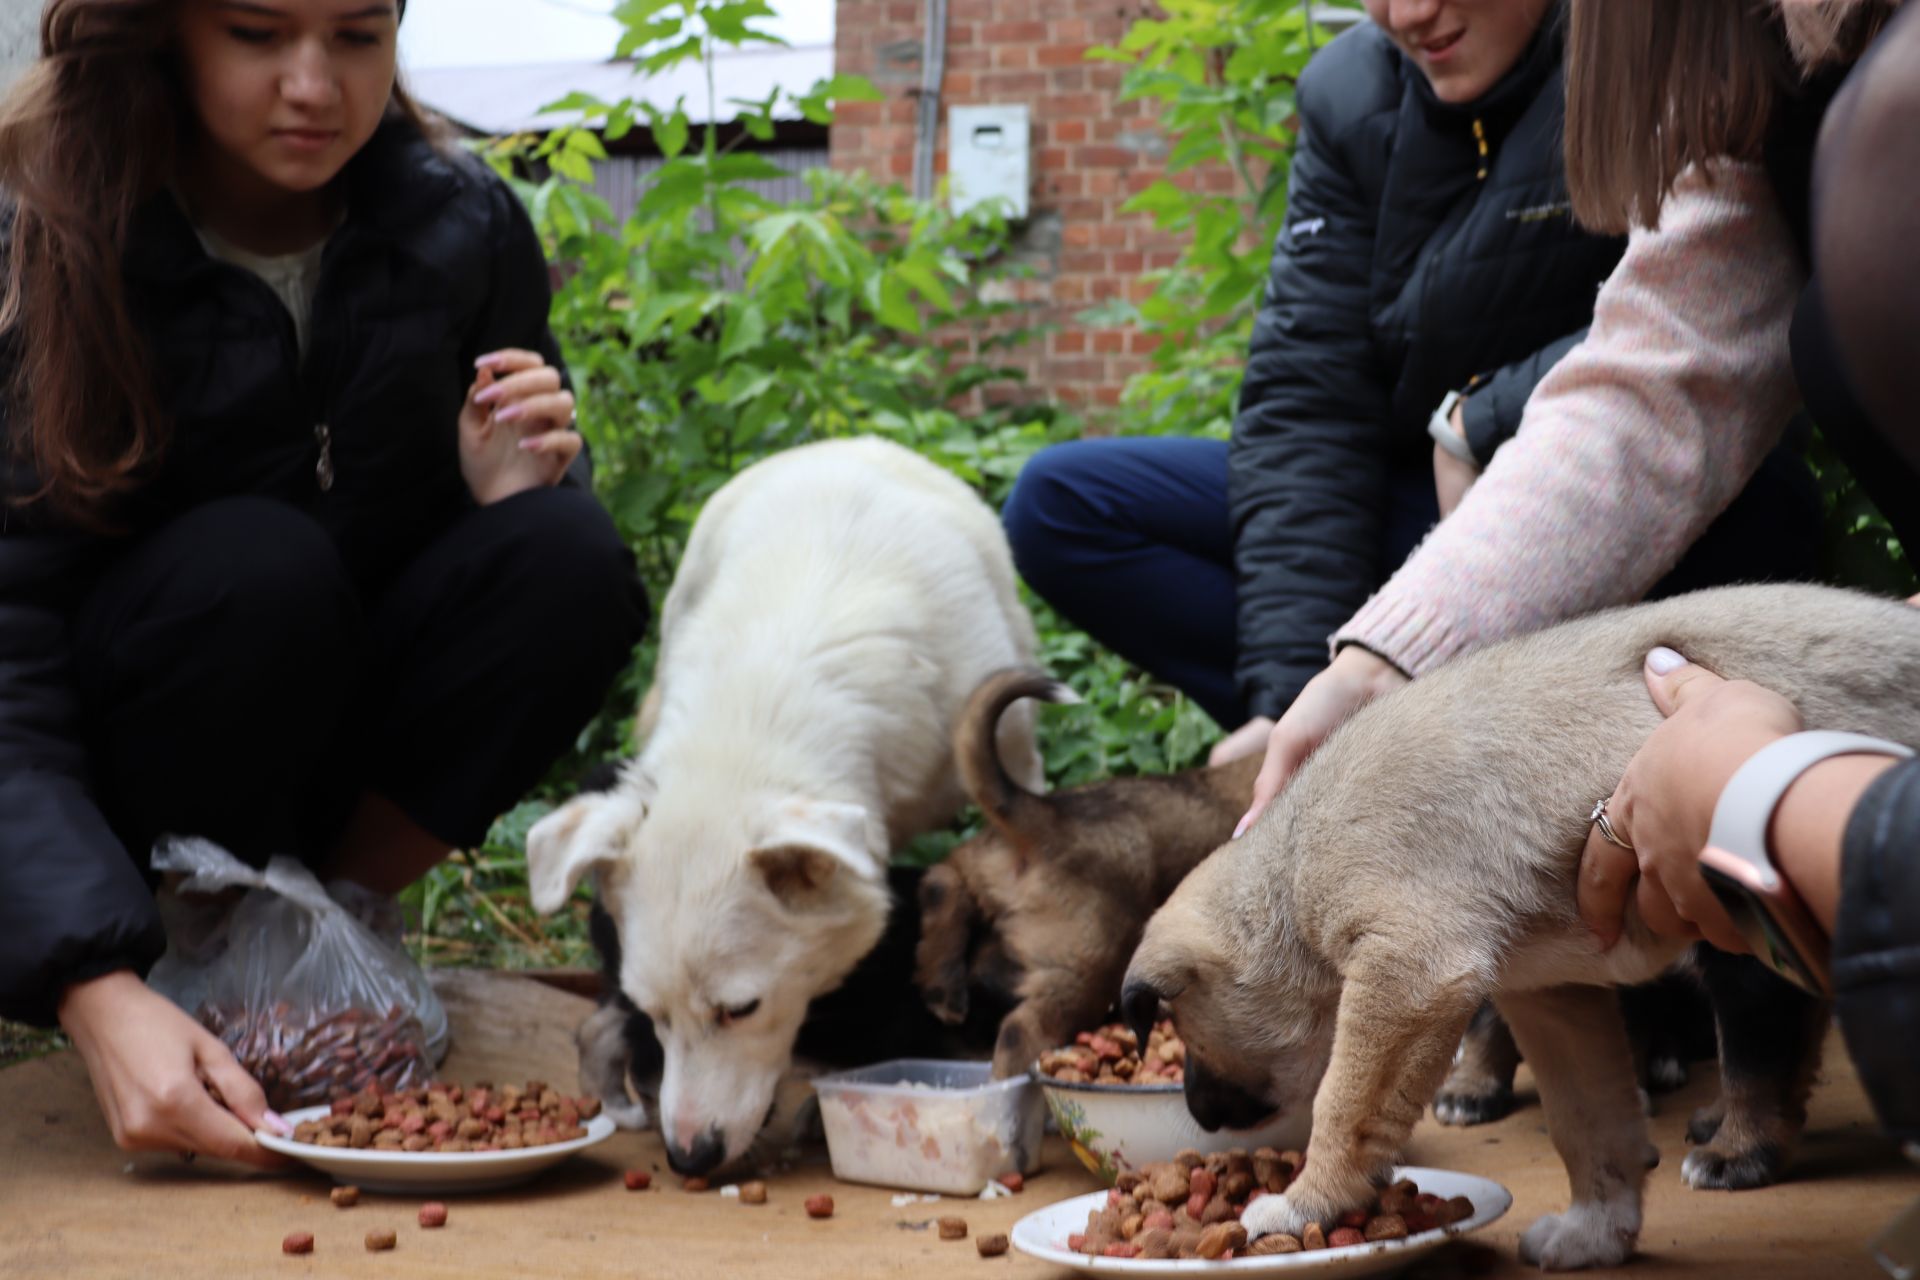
x: 810, y: 843
x: 586, y: 832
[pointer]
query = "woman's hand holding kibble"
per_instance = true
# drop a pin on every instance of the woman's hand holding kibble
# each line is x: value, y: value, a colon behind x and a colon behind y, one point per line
x: 164, y: 1082
x: 516, y: 430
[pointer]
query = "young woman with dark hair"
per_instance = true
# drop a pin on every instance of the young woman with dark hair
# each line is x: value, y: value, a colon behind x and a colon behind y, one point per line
x: 296, y: 551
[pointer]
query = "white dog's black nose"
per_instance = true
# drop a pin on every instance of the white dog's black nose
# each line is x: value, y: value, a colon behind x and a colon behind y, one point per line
x: 708, y: 1150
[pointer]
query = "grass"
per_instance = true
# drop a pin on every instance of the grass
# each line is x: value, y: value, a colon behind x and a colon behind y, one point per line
x: 22, y: 1043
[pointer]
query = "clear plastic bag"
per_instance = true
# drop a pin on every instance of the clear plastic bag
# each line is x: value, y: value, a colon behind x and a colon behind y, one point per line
x: 312, y: 1001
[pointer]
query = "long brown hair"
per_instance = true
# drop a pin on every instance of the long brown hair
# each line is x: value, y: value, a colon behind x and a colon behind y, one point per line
x: 1654, y: 87
x: 90, y: 133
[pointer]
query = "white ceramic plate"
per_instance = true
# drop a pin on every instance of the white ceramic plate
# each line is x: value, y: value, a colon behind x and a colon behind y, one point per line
x: 1043, y: 1234
x: 445, y: 1173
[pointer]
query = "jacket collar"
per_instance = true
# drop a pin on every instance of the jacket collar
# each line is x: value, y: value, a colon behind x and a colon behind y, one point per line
x: 397, y: 181
x: 1513, y: 91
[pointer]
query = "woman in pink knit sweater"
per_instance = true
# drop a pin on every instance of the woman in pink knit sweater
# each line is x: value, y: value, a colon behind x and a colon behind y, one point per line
x: 1638, y: 438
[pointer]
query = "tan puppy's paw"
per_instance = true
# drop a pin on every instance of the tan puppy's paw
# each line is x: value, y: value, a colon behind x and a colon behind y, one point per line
x: 1273, y: 1215
x: 1586, y: 1235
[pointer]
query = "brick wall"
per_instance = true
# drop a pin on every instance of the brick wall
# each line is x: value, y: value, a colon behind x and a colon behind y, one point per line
x: 1091, y: 152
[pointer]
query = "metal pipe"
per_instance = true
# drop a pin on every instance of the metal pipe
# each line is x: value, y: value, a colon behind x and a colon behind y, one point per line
x: 933, y: 70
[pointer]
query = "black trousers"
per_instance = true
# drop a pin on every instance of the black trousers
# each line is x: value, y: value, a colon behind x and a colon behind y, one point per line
x: 238, y: 684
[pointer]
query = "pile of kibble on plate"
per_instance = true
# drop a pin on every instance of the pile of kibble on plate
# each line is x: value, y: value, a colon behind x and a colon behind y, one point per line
x: 448, y: 1118
x: 1111, y: 1055
x: 1189, y: 1207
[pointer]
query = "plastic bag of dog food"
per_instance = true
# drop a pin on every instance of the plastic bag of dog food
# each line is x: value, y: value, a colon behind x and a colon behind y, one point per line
x: 313, y: 999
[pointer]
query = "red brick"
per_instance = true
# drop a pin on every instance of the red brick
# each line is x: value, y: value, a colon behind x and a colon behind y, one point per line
x: 1028, y: 32
x: 1013, y: 55
x: 1060, y: 55
x: 1131, y: 263
x: 1063, y: 131
x: 1069, y: 343
x: 1013, y: 84
x: 1143, y: 344
x: 1109, y: 342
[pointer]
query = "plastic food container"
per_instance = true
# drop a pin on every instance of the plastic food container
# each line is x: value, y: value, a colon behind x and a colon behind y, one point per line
x: 926, y: 1125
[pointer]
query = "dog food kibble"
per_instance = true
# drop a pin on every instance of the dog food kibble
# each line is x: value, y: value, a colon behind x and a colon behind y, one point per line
x: 297, y: 1242
x: 953, y: 1228
x: 447, y: 1118
x: 1189, y: 1207
x: 990, y: 1246
x: 345, y: 1197
x: 820, y: 1206
x: 303, y: 1057
x: 381, y: 1239
x: 694, y: 1184
x: 753, y: 1193
x: 637, y: 1179
x: 1112, y: 1055
x: 1012, y: 1182
x: 433, y: 1214
x: 1279, y: 1242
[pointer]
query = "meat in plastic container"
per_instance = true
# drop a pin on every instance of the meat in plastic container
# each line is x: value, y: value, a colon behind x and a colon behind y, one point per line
x: 926, y: 1125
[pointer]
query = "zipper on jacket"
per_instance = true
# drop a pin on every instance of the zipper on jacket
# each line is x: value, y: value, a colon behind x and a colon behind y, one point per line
x: 1480, y: 141
x: 323, y: 469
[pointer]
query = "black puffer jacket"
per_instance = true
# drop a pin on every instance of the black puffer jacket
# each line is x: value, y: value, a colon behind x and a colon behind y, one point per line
x: 435, y: 265
x: 1427, y: 247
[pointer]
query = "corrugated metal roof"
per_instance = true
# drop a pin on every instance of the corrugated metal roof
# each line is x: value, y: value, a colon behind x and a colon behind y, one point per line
x: 501, y: 100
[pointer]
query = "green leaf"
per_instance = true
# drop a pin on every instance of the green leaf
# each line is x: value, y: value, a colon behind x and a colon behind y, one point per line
x: 848, y: 88
x: 669, y: 128
x: 926, y: 281
x: 571, y: 164
x: 746, y: 328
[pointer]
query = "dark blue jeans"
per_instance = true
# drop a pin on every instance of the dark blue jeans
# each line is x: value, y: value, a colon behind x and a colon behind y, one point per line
x: 1129, y: 538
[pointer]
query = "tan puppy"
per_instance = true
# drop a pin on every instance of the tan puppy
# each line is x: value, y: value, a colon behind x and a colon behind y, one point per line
x: 1062, y: 883
x: 1425, y: 860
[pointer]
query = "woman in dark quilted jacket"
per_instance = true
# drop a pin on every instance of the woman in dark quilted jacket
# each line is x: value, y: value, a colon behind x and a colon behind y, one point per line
x: 1427, y: 278
x: 296, y: 552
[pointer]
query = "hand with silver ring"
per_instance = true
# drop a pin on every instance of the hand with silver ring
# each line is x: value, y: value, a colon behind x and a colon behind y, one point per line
x: 1646, y: 838
x: 1600, y: 822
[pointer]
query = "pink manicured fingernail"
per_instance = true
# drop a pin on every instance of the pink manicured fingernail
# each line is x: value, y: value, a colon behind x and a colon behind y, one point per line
x: 507, y: 414
x: 278, y: 1124
x: 1238, y: 829
x: 489, y: 394
x: 531, y: 443
x: 487, y: 361
x: 1664, y: 661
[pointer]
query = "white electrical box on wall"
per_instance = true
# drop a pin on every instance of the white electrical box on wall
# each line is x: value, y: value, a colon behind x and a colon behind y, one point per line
x: 988, y: 158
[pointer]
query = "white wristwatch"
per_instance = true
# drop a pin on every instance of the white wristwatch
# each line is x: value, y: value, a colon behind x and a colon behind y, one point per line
x: 1440, y: 427
x: 1739, y: 869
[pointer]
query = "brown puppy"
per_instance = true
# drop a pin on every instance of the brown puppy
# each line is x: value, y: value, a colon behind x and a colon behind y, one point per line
x: 1425, y: 859
x: 1059, y: 885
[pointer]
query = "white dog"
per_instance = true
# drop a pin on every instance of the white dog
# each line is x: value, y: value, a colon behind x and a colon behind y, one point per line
x: 836, y: 606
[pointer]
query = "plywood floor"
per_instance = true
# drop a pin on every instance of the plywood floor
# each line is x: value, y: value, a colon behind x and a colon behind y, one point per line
x: 73, y: 1207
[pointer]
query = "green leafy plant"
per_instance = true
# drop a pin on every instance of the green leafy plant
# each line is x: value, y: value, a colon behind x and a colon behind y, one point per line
x: 714, y: 326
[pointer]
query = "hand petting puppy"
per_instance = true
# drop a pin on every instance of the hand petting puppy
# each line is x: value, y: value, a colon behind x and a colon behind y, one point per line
x: 516, y: 429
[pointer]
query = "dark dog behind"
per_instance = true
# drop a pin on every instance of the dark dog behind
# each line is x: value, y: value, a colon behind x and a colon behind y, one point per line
x: 1052, y: 896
